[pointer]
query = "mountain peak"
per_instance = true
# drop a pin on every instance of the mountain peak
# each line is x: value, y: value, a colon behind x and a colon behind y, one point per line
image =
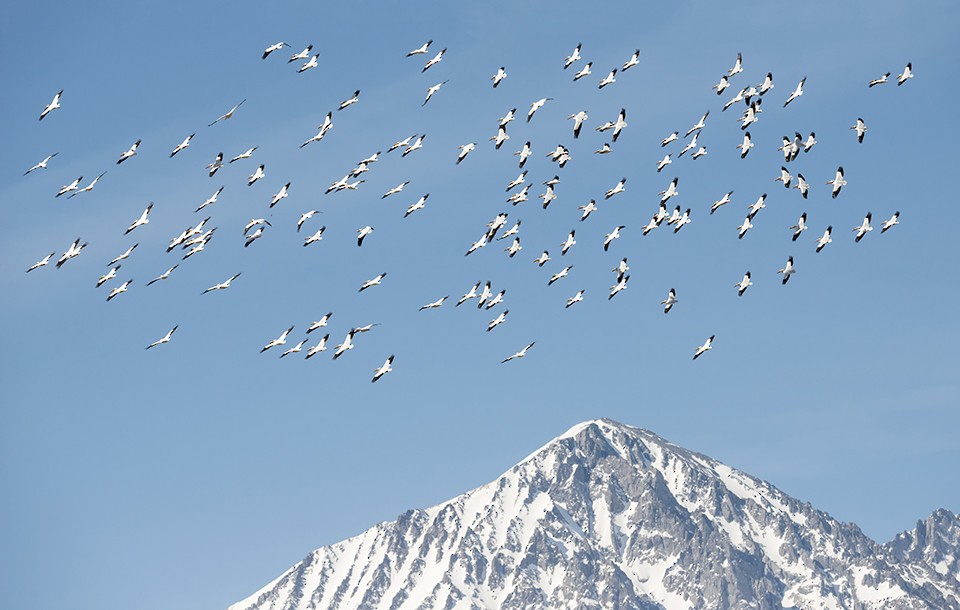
x: 611, y: 516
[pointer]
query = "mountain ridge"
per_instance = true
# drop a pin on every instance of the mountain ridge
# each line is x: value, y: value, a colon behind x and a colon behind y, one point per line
x: 611, y: 516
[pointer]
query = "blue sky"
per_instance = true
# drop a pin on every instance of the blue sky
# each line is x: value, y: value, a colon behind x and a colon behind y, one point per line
x: 192, y: 474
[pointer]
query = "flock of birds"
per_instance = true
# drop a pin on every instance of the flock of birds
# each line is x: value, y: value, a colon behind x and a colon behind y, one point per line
x: 195, y: 238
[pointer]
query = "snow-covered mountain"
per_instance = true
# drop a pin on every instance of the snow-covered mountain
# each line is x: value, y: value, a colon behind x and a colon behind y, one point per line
x: 614, y: 517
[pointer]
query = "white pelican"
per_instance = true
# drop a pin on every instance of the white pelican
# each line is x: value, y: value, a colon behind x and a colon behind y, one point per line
x: 281, y: 340
x: 343, y: 347
x: 574, y: 299
x: 350, y: 101
x: 787, y: 270
x: 838, y: 182
x: 861, y: 129
x: 434, y: 304
x: 519, y: 354
x: 363, y: 232
x: 255, y: 176
x: 42, y: 164
x: 109, y: 275
x: 319, y: 347
x: 128, y: 153
x: 417, y: 145
x: 708, y: 344
x: 382, y: 370
x: 542, y: 259
x: 165, y: 339
x: 800, y: 227
x: 633, y: 61
x: 301, y: 55
x: 465, y: 149
x: 182, y: 145
x: 163, y: 275
x: 89, y: 187
x: 53, y: 105
x: 612, y: 235
x: 901, y: 78
x: 578, y: 120
x: 784, y: 177
x: 401, y: 143
x: 559, y: 275
x: 673, y: 136
x: 573, y: 57
x: 537, y: 105
x: 616, y: 190
x: 295, y: 349
x: 119, y: 290
x: 796, y: 92
x: 372, y: 282
x: 584, y: 71
x: 216, y: 165
x: 671, y: 191
x: 523, y: 153
x: 721, y: 202
x: 228, y: 115
x: 863, y: 228
x: 499, y: 76
x: 745, y: 146
x: 222, y: 285
x: 669, y: 302
x: 470, y: 294
x: 272, y: 48
x: 320, y: 323
x: 139, y: 222
x: 888, y: 224
x: 305, y: 217
x: 311, y: 63
x: 609, y: 79
x: 802, y: 185
x: 567, y: 243
x: 419, y: 205
x: 737, y: 67
x: 245, y: 155
x: 42, y: 262
x: 743, y: 284
x: 824, y: 239
x: 699, y: 125
x: 318, y: 236
x: 281, y: 194
x: 125, y: 255
x: 498, y: 320
x: 432, y: 90
x: 436, y: 59
x: 421, y: 49
x: 879, y: 81
x: 620, y: 286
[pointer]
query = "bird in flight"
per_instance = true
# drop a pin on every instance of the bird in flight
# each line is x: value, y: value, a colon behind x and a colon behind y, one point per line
x: 281, y: 340
x: 41, y: 165
x: 383, y: 369
x: 707, y: 345
x: 165, y: 339
x: 221, y: 286
x: 796, y: 92
x: 519, y: 354
x: 272, y: 48
x: 53, y: 105
x: 229, y: 114
x: 421, y: 50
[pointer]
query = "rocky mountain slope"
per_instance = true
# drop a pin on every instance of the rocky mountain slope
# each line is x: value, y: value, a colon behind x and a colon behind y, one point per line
x: 610, y: 516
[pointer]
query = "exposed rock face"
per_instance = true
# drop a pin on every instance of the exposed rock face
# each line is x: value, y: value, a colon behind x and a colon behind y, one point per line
x: 614, y: 517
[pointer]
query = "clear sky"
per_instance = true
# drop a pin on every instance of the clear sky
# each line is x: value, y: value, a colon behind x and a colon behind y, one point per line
x: 189, y: 475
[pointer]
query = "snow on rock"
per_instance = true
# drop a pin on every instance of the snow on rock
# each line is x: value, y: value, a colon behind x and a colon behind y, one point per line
x: 610, y: 516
